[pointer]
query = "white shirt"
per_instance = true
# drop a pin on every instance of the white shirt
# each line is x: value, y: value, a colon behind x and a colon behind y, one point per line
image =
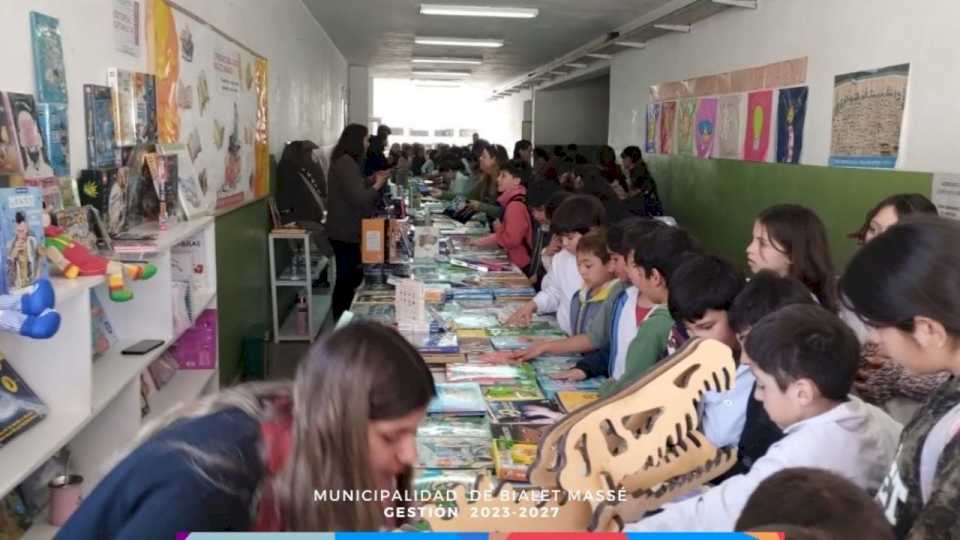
x: 854, y: 439
x: 724, y: 413
x: 558, y: 288
x: 626, y: 331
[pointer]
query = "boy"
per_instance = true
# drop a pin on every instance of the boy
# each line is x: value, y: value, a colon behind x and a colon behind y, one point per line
x: 805, y: 359
x: 554, y: 245
x: 597, y: 271
x: 701, y: 292
x: 651, y: 263
x: 538, y: 195
x: 577, y: 216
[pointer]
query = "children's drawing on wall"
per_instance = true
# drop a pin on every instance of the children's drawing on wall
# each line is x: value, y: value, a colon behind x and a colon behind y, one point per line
x: 218, y: 133
x: 186, y: 44
x: 32, y: 154
x: 233, y: 162
x: 668, y: 120
x: 868, y: 117
x: 686, y: 115
x: 706, y: 127
x: 203, y: 92
x: 756, y: 143
x: 653, y: 128
x: 791, y: 114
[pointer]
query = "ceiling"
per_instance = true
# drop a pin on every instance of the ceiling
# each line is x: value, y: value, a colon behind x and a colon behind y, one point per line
x: 379, y: 33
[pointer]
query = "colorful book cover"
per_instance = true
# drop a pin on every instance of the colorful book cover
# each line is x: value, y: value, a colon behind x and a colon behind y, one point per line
x: 444, y: 480
x: 510, y: 343
x: 20, y: 407
x: 513, y: 459
x: 571, y: 400
x: 33, y: 155
x: 145, y: 105
x: 513, y: 292
x: 487, y: 373
x: 473, y: 320
x: 48, y: 66
x: 93, y: 191
x: 385, y: 314
x: 439, y: 425
x: 454, y: 453
x: 445, y: 343
x: 50, y: 188
x: 124, y: 110
x: 458, y: 398
x: 548, y: 365
x: 75, y: 222
x: 526, y: 433
x: 551, y: 386
x: 10, y: 160
x: 21, y: 231
x: 171, y: 187
x: 444, y: 359
x: 475, y: 345
x: 512, y: 392
x: 537, y: 329
x: 539, y: 411
x: 98, y: 110
x: 426, y: 243
x: 54, y: 125
x: 101, y: 331
x: 190, y: 195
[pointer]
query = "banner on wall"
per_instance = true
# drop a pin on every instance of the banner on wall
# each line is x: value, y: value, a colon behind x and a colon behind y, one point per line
x: 653, y: 128
x: 729, y: 127
x: 756, y: 143
x: 686, y: 114
x: 791, y: 116
x: 868, y: 117
x: 706, y: 127
x: 211, y: 97
x: 668, y: 119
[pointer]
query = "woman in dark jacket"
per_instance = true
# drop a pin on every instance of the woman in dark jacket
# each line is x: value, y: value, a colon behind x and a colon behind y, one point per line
x: 351, y: 199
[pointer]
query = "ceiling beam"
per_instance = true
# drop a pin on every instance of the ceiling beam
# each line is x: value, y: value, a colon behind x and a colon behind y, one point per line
x: 632, y: 44
x: 683, y: 28
x: 745, y: 4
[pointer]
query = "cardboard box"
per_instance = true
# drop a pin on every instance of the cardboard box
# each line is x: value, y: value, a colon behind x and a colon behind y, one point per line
x: 373, y: 240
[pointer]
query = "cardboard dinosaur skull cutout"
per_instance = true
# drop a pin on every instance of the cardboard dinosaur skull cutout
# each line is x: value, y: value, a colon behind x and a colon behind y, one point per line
x: 642, y: 443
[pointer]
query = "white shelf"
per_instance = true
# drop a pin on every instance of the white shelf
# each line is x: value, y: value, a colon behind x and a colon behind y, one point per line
x: 168, y: 238
x: 204, y: 299
x: 23, y: 454
x: 186, y: 385
x: 322, y: 304
x: 114, y: 370
x: 65, y: 289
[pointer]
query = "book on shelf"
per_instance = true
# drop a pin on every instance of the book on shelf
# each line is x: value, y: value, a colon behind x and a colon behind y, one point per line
x: 48, y: 69
x: 21, y: 238
x: 100, y: 130
x: 190, y: 194
x: 20, y: 407
x: 10, y: 160
x: 102, y: 334
x: 29, y: 136
x: 540, y: 411
x: 458, y: 398
x: 513, y: 459
x: 54, y: 124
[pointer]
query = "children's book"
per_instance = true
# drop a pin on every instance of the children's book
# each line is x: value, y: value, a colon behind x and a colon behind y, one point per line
x: 50, y: 189
x: 551, y: 386
x: 98, y: 110
x: 444, y: 359
x: 454, y: 453
x: 54, y: 125
x: 20, y: 407
x: 145, y: 106
x: 74, y: 221
x: 426, y: 242
x: 124, y: 109
x: 512, y: 392
x: 463, y: 399
x: 10, y: 160
x: 475, y: 345
x: 538, y: 329
x: 444, y: 480
x: 93, y: 191
x: 510, y: 343
x: 440, y: 425
x: 33, y: 154
x: 571, y: 400
x: 190, y: 195
x: 539, y: 411
x: 48, y: 67
x: 381, y: 313
x: 445, y: 343
x: 512, y: 293
x: 486, y: 373
x: 103, y: 336
x: 513, y: 459
x: 548, y: 365
x: 526, y: 433
x: 21, y: 234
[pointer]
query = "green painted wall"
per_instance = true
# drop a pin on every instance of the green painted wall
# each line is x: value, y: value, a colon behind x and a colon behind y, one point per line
x: 717, y: 199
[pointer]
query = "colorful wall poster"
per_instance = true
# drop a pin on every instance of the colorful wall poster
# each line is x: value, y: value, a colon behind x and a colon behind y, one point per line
x: 756, y: 143
x: 126, y: 27
x: 653, y: 128
x: 224, y: 122
x: 686, y: 115
x: 729, y: 127
x: 868, y: 116
x: 791, y: 114
x: 668, y: 121
x: 706, y: 127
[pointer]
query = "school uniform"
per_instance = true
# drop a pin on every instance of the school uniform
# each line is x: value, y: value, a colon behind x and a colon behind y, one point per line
x: 854, y: 439
x: 600, y: 331
x: 656, y: 338
x: 559, y: 285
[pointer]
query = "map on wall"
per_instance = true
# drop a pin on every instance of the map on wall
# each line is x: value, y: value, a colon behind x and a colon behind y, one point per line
x: 868, y: 116
x: 211, y: 97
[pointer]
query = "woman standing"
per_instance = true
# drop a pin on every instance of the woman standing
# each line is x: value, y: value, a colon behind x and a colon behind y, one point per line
x: 351, y: 199
x: 483, y: 196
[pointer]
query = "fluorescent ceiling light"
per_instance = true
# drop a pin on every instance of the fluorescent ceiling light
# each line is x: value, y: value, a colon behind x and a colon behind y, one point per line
x: 479, y: 11
x: 578, y: 66
x: 447, y: 60
x: 632, y: 44
x: 454, y: 74
x: 600, y: 56
x: 459, y: 42
x: 437, y: 84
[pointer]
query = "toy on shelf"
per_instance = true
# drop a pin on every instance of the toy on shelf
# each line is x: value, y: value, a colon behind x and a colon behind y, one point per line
x: 30, y: 312
x: 636, y: 450
x: 74, y: 259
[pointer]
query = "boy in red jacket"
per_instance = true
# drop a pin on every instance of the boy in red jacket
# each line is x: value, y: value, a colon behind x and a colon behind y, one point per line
x: 515, y: 232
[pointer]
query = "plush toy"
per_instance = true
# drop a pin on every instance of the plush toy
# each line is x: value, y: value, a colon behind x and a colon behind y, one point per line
x: 634, y: 451
x: 74, y: 259
x: 30, y: 312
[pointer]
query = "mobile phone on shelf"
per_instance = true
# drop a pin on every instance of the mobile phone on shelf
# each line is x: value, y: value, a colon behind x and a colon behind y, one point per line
x: 143, y: 346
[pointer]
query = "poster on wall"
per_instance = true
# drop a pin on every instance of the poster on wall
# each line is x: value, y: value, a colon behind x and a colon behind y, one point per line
x: 653, y: 128
x: 211, y: 97
x: 126, y: 27
x: 868, y: 116
x: 686, y: 115
x: 668, y: 119
x: 706, y: 127
x: 791, y: 115
x: 729, y: 127
x: 756, y: 143
x: 945, y: 192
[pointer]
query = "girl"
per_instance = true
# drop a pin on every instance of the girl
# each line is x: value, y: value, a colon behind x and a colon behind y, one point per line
x: 523, y: 150
x: 642, y: 197
x: 790, y: 240
x: 515, y: 233
x: 903, y: 285
x: 251, y: 457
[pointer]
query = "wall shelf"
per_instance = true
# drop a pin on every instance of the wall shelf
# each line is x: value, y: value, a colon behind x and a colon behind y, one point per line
x: 319, y: 306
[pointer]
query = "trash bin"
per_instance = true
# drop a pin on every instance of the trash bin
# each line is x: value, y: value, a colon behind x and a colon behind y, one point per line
x: 255, y: 352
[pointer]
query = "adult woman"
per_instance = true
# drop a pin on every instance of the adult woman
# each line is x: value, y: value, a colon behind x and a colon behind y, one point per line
x: 251, y: 457
x: 483, y: 196
x: 642, y: 197
x: 523, y: 150
x: 607, y: 163
x: 350, y: 200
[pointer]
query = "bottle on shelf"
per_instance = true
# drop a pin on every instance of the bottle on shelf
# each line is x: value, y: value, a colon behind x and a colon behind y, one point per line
x: 302, y: 327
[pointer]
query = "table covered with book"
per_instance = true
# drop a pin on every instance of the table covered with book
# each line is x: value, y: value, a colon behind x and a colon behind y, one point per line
x: 489, y: 414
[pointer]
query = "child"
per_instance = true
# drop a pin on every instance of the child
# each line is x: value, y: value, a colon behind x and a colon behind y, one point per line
x: 538, y: 194
x: 903, y: 285
x: 651, y: 264
x: 804, y: 359
x: 791, y: 241
x: 642, y: 197
x: 701, y: 292
x: 599, y: 279
x: 515, y: 232
x: 817, y: 498
x: 554, y: 245
x: 577, y: 216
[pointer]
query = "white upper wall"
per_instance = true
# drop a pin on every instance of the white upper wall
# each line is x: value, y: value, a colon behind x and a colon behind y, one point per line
x: 575, y: 113
x: 838, y: 36
x: 305, y: 70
